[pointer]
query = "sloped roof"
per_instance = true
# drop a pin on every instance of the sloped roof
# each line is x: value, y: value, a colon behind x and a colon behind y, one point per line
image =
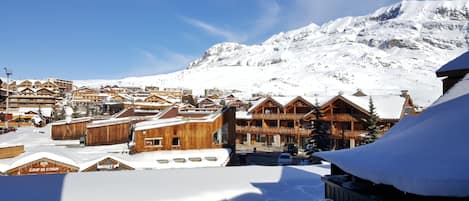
x: 387, y: 106
x: 39, y: 155
x: 461, y: 63
x: 424, y: 155
x: 460, y: 89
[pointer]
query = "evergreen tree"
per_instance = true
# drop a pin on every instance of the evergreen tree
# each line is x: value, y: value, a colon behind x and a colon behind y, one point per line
x: 372, y: 124
x: 319, y: 139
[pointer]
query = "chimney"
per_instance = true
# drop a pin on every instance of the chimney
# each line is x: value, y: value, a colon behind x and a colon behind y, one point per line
x: 359, y: 93
x: 404, y: 93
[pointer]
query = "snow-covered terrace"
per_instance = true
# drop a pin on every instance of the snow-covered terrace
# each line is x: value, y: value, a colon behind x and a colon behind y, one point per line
x: 229, y: 183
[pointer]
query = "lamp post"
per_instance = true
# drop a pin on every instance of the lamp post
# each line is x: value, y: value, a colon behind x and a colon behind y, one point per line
x: 8, y: 72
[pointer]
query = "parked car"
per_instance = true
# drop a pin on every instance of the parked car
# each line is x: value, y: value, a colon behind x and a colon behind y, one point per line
x: 290, y: 148
x: 285, y: 159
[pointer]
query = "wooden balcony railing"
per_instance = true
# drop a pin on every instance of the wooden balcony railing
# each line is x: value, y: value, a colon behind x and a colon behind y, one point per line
x: 273, y: 130
x: 280, y: 116
x: 340, y: 117
x: 348, y: 134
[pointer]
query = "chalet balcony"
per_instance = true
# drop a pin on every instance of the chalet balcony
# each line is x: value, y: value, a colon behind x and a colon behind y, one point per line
x: 342, y: 117
x: 348, y: 134
x: 273, y: 130
x: 279, y: 116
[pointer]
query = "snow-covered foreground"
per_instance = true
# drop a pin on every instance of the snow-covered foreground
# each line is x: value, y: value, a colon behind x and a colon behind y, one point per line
x: 224, y: 183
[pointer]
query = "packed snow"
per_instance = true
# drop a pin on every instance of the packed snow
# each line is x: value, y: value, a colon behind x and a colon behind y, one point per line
x: 395, y: 48
x: 231, y: 183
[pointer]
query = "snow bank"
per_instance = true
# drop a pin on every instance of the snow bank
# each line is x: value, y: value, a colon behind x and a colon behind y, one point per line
x: 424, y: 155
x: 232, y: 183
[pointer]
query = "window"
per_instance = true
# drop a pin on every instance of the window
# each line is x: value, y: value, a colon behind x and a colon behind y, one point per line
x: 179, y: 160
x: 176, y: 141
x: 211, y: 158
x: 195, y: 159
x: 163, y: 161
x: 215, y: 138
x: 153, y: 142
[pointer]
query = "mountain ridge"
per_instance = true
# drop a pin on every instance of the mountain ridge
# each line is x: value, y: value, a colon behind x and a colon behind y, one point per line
x: 394, y: 48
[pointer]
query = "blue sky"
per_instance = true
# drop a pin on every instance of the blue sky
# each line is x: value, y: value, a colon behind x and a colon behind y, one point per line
x: 109, y: 39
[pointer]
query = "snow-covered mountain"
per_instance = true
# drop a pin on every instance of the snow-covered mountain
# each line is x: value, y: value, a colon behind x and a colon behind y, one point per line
x: 397, y: 47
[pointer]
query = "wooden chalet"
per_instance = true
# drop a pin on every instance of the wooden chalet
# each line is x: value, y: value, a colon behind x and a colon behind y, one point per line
x: 30, y: 101
x: 345, y: 116
x: 216, y: 130
x: 25, y: 84
x: 106, y: 163
x: 208, y: 103
x: 156, y: 99
x: 106, y: 132
x: 275, y: 121
x: 42, y: 163
x: 62, y: 130
x: 87, y: 96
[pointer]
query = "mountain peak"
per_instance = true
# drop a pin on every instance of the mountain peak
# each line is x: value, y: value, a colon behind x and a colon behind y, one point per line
x: 394, y: 48
x: 424, y: 10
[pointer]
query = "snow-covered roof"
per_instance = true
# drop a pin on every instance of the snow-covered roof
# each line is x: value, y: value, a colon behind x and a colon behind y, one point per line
x: 459, y: 89
x: 387, y: 106
x: 198, y: 184
x: 108, y: 122
x: 39, y: 155
x: 243, y: 115
x: 74, y: 120
x: 88, y: 164
x: 424, y: 155
x: 459, y: 63
x: 158, y: 123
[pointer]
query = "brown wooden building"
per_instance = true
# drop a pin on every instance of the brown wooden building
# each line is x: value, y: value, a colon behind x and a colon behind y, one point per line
x: 42, y: 163
x: 216, y: 130
x: 62, y: 130
x: 275, y: 121
x: 107, y: 163
x: 105, y: 132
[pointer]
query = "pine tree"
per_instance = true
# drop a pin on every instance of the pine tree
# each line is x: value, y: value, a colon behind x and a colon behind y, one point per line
x: 372, y: 123
x: 319, y: 139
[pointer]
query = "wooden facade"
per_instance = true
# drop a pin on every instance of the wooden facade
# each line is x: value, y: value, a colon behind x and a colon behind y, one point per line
x: 108, y: 164
x: 108, y: 132
x: 43, y: 166
x: 71, y: 131
x: 271, y: 118
x: 30, y: 101
x: 193, y: 134
x: 11, y: 151
x: 273, y: 123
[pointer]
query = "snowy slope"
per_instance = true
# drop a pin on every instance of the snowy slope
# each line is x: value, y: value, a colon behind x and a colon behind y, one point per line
x: 397, y: 47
